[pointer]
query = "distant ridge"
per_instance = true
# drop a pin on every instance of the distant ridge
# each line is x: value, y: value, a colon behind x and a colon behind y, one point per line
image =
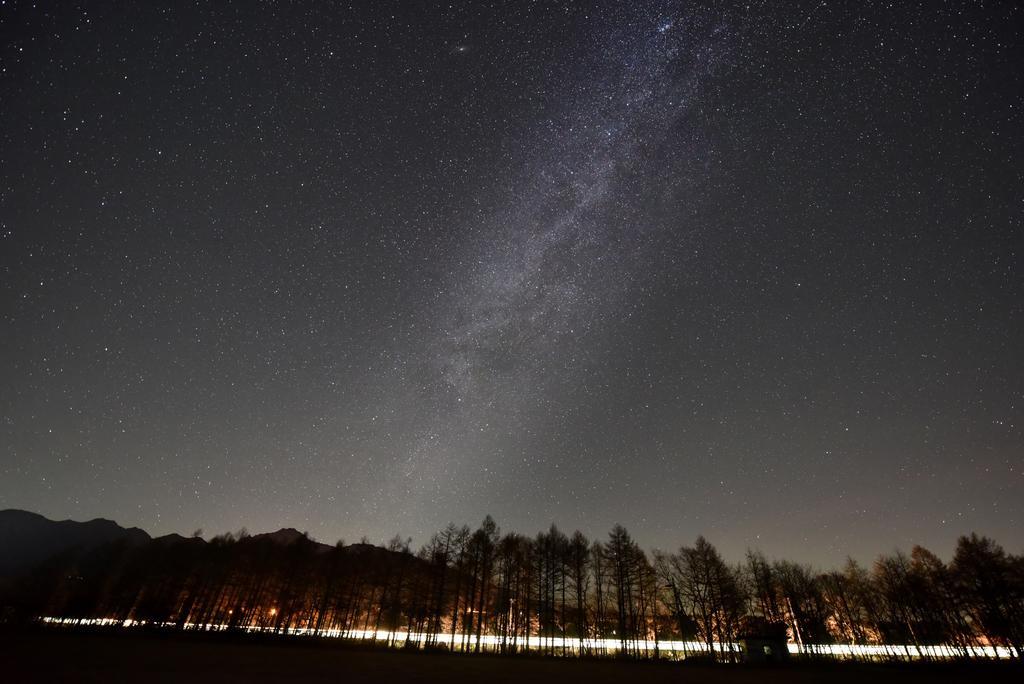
x: 286, y: 536
x: 27, y: 539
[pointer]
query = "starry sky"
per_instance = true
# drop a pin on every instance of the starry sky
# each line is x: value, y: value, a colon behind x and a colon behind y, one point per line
x: 751, y: 271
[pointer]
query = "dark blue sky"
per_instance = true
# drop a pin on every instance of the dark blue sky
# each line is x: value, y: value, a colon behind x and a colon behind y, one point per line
x: 748, y: 272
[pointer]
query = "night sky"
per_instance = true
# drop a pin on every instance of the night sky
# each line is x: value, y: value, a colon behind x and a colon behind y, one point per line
x: 748, y: 271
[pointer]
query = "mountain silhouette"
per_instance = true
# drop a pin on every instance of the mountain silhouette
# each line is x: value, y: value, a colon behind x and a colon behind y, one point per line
x: 27, y: 539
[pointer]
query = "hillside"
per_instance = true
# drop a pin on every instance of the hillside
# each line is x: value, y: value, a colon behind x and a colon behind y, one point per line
x: 27, y: 539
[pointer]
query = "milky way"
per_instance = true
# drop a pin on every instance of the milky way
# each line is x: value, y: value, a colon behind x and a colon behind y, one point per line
x: 559, y: 259
x: 746, y: 271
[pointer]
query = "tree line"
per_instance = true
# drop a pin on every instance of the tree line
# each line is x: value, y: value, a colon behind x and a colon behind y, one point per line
x: 480, y: 590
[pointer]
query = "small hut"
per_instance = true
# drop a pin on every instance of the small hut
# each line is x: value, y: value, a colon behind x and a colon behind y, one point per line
x: 763, y: 642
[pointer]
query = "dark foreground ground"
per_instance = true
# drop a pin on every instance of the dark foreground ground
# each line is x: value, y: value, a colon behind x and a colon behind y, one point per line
x: 58, y: 656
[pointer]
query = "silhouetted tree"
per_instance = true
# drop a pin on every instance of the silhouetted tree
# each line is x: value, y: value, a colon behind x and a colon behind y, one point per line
x: 533, y: 592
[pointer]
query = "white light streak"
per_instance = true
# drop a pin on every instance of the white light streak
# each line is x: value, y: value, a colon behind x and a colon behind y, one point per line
x: 679, y: 649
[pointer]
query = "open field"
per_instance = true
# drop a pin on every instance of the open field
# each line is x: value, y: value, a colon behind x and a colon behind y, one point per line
x: 57, y: 656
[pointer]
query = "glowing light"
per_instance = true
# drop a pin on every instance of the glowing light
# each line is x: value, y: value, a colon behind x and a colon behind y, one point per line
x: 682, y: 649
